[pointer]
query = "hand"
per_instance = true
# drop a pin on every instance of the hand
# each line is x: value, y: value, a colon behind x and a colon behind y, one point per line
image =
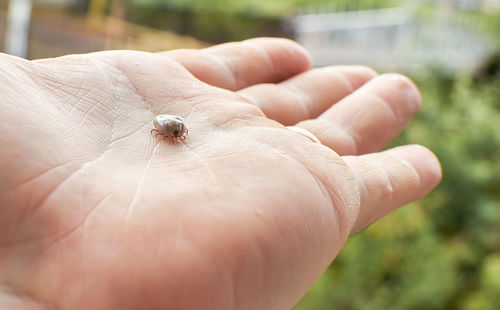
x: 95, y: 213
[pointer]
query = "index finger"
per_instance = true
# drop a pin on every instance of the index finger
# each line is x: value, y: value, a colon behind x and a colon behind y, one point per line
x: 237, y: 65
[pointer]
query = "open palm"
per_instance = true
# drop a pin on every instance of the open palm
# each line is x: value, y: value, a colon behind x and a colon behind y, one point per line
x: 96, y: 213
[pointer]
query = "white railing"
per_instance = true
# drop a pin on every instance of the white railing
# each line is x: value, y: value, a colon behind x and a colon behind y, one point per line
x: 392, y: 39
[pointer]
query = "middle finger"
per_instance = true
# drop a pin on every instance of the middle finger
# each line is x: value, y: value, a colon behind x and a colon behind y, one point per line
x: 369, y: 118
x: 308, y: 94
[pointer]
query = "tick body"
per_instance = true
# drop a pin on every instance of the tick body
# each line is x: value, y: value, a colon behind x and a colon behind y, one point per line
x: 171, y: 126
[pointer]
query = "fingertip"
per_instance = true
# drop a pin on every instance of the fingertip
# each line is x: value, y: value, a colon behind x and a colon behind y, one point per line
x: 431, y: 173
x: 287, y: 44
x: 289, y: 57
x: 369, y: 70
x: 302, y: 56
x: 358, y: 75
x: 426, y: 164
x: 365, y: 71
x: 407, y: 87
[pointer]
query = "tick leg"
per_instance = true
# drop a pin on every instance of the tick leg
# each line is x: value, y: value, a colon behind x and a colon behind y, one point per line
x: 184, y: 136
x: 156, y: 132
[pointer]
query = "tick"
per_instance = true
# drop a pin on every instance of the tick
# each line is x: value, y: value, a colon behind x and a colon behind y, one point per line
x: 170, y: 126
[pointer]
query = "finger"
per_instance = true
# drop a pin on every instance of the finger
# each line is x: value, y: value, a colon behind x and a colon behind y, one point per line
x: 391, y: 179
x: 371, y: 117
x: 307, y: 95
x: 237, y: 65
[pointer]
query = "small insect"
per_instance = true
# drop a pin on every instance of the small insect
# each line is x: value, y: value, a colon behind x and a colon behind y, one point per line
x: 170, y: 126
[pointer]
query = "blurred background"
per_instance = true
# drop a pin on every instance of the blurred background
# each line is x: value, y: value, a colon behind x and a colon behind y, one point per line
x: 439, y: 253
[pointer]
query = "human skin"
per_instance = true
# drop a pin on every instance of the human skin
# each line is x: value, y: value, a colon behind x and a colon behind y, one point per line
x: 96, y: 213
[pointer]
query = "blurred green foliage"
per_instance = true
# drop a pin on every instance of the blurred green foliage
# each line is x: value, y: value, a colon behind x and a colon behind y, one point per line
x: 442, y: 252
x: 260, y: 8
x: 219, y: 21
